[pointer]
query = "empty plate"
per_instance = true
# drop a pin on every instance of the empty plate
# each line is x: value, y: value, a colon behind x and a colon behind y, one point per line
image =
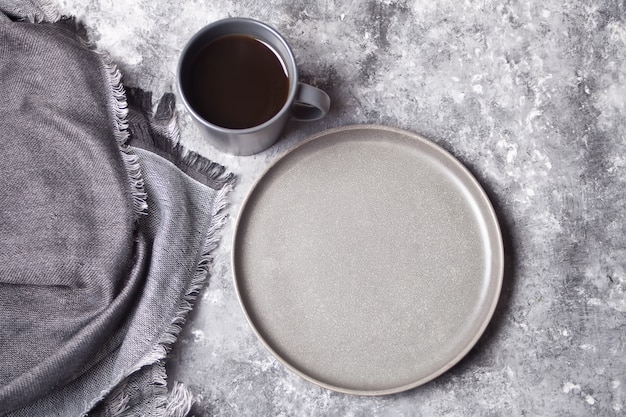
x: 368, y: 260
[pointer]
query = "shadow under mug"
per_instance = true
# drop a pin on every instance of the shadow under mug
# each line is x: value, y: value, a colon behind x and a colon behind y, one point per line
x: 303, y: 102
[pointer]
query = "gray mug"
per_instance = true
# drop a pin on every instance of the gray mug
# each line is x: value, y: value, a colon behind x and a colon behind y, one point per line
x: 301, y: 101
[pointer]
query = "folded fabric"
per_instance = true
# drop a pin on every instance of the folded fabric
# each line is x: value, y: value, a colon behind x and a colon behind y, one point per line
x: 106, y: 228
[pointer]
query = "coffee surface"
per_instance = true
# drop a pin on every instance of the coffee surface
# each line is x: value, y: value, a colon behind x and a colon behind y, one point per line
x: 237, y: 82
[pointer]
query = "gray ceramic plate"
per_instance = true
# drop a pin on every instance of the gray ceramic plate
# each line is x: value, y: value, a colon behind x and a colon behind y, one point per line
x: 368, y: 260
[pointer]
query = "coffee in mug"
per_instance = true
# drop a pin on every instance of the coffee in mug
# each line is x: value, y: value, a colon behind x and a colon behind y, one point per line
x: 248, y: 87
x: 238, y: 79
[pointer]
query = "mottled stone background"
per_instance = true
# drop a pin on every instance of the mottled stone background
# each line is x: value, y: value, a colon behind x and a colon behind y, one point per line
x: 530, y: 95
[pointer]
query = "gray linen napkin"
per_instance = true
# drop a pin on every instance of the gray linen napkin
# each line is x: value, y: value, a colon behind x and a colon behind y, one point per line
x: 106, y: 228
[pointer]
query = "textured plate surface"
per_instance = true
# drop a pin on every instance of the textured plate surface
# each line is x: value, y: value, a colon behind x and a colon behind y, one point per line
x: 368, y: 260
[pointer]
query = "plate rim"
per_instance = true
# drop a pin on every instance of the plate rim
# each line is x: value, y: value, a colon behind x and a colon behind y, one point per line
x: 489, y: 216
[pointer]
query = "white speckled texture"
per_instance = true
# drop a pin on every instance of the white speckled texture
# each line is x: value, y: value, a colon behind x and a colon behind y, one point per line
x: 529, y: 95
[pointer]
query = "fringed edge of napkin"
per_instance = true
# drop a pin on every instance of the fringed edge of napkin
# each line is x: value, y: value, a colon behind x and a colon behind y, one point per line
x: 165, y: 136
x: 118, y: 105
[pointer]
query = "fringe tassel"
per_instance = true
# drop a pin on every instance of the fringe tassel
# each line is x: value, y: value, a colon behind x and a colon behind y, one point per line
x: 179, y: 401
x: 118, y: 108
x: 118, y: 402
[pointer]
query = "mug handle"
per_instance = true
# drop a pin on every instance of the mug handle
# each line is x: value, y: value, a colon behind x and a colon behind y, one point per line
x: 311, y: 103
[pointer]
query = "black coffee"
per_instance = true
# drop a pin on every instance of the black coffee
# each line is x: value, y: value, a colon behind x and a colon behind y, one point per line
x: 237, y: 82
